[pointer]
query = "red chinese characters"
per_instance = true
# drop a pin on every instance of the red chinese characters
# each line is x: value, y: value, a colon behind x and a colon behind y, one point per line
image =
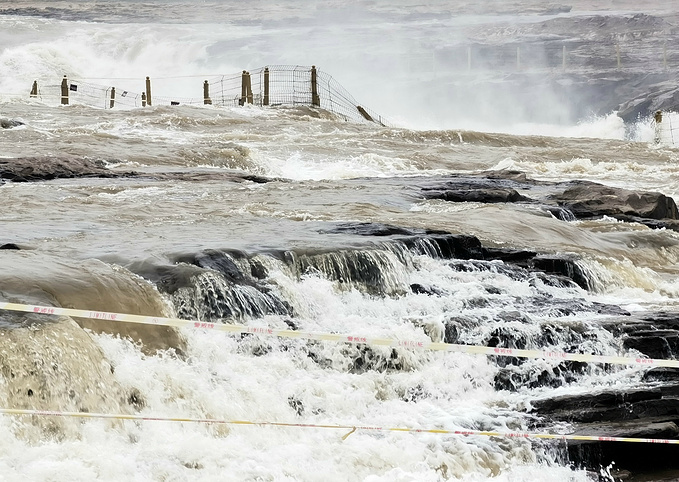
x: 199, y: 324
x: 263, y: 331
x: 411, y: 344
x: 44, y: 310
x: 100, y: 315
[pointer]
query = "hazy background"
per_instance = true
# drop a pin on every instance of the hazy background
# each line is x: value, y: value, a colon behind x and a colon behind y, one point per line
x: 484, y: 65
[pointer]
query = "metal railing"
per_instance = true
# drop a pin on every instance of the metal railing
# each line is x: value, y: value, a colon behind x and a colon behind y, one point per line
x: 277, y: 85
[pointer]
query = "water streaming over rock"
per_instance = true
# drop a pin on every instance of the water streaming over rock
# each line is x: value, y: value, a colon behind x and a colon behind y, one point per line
x: 551, y: 230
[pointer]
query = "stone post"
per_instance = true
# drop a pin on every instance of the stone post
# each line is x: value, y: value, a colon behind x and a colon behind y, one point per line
x: 148, y: 91
x: 266, y: 86
x: 64, y: 91
x: 315, y: 99
x: 206, y: 93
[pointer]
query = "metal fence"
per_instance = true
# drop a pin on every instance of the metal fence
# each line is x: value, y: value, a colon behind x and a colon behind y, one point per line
x: 666, y: 125
x: 277, y: 85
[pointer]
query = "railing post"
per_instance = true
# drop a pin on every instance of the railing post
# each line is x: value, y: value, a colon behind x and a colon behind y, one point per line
x: 113, y: 98
x: 148, y: 91
x: 64, y: 91
x: 563, y: 58
x: 243, y: 88
x: 34, y: 89
x: 206, y: 93
x: 315, y: 100
x: 617, y: 54
x: 664, y: 56
x: 143, y: 99
x: 266, y: 86
x: 249, y: 88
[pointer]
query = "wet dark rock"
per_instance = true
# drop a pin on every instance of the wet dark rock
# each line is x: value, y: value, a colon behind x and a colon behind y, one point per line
x: 512, y: 378
x: 597, y: 406
x: 660, y: 95
x: 420, y: 289
x: 475, y: 190
x: 452, y: 332
x: 219, y: 261
x: 136, y: 399
x: 662, y: 374
x: 9, y: 123
x: 213, y: 285
x: 563, y: 266
x: 25, y: 169
x: 656, y: 335
x: 564, y: 200
x: 291, y: 324
x: 374, y: 229
x: 365, y: 358
x: 296, y: 404
x: 654, y: 343
x: 415, y: 394
x: 639, y: 413
x: 9, y: 246
x: 630, y: 456
x: 588, y: 200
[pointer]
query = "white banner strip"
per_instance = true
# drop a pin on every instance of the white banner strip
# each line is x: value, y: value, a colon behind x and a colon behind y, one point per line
x: 353, y: 428
x: 302, y: 335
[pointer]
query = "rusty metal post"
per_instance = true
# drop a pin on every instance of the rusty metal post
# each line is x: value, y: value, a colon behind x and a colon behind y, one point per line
x: 113, y: 98
x: 143, y: 99
x: 315, y: 100
x: 266, y: 86
x: 148, y: 91
x: 249, y: 88
x: 206, y: 93
x: 34, y: 89
x: 64, y: 91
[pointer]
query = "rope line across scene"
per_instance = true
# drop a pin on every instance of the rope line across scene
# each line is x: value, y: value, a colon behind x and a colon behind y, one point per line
x: 341, y: 338
x: 352, y: 428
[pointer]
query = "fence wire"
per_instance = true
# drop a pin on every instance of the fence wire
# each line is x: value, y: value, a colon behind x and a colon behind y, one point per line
x: 667, y: 130
x: 288, y: 85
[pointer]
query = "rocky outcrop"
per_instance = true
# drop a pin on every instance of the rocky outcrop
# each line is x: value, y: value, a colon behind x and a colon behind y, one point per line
x: 651, y: 411
x: 591, y: 200
x: 9, y: 123
x: 25, y: 169
x: 565, y: 200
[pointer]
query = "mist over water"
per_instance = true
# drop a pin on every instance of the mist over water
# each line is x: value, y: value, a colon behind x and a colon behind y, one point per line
x: 292, y: 218
x: 435, y: 66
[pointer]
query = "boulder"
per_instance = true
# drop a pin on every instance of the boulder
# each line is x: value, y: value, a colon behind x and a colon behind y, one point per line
x: 588, y: 200
x: 9, y: 123
x: 565, y: 200
x: 23, y: 169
